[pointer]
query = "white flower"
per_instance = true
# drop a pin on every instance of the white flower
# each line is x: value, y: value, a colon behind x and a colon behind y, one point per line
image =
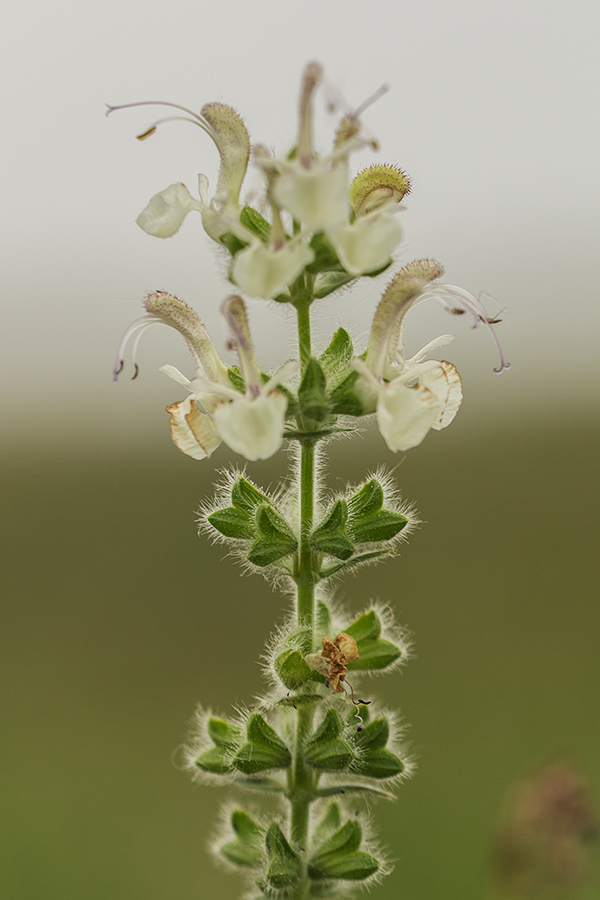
x: 250, y: 423
x: 411, y: 396
x: 317, y: 192
x: 264, y: 271
x: 366, y: 244
x: 165, y: 212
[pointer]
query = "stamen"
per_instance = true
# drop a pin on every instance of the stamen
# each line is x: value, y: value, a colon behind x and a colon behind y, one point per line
x: 467, y: 303
x: 196, y: 119
x: 139, y: 325
x: 152, y: 128
x: 375, y: 96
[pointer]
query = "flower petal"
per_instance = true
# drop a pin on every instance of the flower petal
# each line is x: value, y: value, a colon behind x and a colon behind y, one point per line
x: 317, y: 197
x: 405, y: 414
x: 367, y: 244
x: 253, y: 428
x: 165, y: 212
x: 444, y: 381
x: 192, y: 431
x: 260, y: 271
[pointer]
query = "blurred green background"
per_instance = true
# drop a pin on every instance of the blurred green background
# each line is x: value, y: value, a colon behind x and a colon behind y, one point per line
x: 119, y: 620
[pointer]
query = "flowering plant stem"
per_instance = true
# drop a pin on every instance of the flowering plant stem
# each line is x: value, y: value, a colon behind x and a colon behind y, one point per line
x: 302, y: 780
x: 310, y: 741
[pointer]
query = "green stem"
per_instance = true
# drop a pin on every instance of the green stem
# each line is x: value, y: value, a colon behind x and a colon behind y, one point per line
x: 303, y: 318
x: 303, y: 780
x: 305, y: 578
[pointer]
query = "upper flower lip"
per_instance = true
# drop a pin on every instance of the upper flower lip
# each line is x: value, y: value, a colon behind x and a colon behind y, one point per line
x: 250, y: 422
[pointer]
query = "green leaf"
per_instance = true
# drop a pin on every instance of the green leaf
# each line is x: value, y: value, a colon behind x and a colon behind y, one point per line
x: 294, y: 671
x: 367, y: 520
x: 264, y: 750
x: 297, y: 700
x: 352, y: 563
x: 328, y: 282
x: 338, y: 354
x: 284, y: 865
x: 329, y: 537
x: 312, y: 394
x: 339, y: 856
x: 233, y: 522
x: 246, y: 497
x: 334, y: 790
x: 245, y: 850
x: 251, y: 219
x: 275, y: 540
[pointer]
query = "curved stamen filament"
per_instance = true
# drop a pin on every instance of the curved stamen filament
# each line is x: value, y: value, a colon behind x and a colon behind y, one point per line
x: 466, y: 303
x: 140, y: 326
x: 152, y: 128
x: 196, y: 119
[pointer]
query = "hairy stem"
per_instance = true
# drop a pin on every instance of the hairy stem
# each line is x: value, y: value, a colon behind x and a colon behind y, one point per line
x: 303, y: 780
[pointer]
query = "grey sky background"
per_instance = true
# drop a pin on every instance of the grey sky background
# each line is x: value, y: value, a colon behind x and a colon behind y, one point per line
x: 492, y: 112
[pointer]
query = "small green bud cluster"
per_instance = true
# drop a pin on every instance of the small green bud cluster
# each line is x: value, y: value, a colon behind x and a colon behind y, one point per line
x: 336, y: 853
x: 356, y: 528
x: 347, y: 749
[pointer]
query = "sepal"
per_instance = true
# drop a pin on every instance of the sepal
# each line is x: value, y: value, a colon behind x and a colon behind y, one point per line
x: 251, y: 219
x: 239, y: 519
x: 264, y: 749
x: 340, y: 857
x: 312, y: 393
x: 376, y: 761
x: 275, y: 539
x: 326, y: 750
x: 294, y: 672
x: 375, y: 652
x: 226, y: 738
x: 330, y: 536
x: 246, y: 847
x: 284, y: 865
x: 368, y: 522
